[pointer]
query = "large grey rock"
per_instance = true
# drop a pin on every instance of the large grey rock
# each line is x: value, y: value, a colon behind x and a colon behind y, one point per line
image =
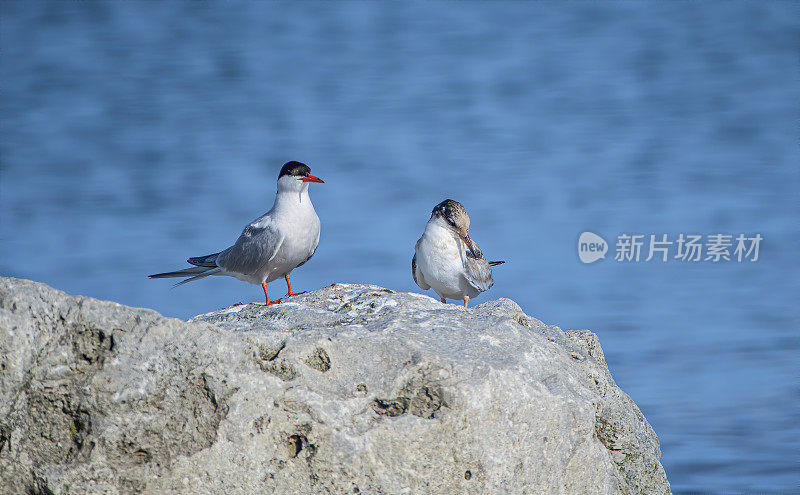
x: 348, y: 389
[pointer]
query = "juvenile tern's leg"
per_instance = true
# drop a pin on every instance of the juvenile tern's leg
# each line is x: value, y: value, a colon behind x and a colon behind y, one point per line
x: 289, y: 285
x: 443, y: 300
x: 264, y: 285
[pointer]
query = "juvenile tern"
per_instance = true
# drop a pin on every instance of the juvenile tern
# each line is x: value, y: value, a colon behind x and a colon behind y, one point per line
x: 272, y: 245
x: 447, y: 260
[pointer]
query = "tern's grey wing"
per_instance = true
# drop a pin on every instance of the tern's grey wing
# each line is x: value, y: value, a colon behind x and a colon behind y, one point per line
x: 476, y: 269
x: 208, y: 261
x: 416, y: 273
x: 257, y: 245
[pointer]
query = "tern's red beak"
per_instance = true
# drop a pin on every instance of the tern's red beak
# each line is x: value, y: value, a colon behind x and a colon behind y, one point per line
x: 311, y: 178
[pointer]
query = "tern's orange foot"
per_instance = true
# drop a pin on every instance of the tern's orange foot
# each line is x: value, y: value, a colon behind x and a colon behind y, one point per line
x: 290, y: 294
x: 274, y: 301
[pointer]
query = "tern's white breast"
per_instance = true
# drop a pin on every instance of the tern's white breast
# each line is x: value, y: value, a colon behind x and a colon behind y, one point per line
x: 440, y: 258
x: 299, y: 226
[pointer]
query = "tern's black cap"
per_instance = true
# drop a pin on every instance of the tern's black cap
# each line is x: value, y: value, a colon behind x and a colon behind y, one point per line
x: 295, y: 169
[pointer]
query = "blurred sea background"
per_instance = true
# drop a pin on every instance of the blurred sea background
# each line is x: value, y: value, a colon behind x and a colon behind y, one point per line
x: 137, y: 134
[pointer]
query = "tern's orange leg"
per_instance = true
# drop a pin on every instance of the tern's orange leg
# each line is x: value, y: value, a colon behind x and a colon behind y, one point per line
x: 289, y: 285
x: 264, y: 285
x: 443, y: 301
x: 466, y: 301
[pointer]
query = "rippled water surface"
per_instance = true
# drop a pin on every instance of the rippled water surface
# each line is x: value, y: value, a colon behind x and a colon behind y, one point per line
x: 137, y: 134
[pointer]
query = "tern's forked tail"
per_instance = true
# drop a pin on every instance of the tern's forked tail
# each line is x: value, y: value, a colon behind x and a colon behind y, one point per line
x: 192, y: 274
x: 495, y: 263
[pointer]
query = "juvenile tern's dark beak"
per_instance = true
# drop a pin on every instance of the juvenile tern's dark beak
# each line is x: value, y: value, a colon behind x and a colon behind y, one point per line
x: 311, y: 178
x: 466, y: 241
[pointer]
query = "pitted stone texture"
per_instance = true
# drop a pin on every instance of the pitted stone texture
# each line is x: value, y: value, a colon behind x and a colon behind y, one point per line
x: 348, y: 389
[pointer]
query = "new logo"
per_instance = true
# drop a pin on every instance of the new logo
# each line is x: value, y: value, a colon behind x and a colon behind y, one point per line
x: 591, y: 247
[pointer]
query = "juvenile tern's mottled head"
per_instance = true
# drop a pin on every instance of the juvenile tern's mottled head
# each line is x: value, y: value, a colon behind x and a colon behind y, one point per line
x: 454, y: 216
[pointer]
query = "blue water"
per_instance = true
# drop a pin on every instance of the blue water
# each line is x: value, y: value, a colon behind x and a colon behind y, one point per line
x: 137, y: 134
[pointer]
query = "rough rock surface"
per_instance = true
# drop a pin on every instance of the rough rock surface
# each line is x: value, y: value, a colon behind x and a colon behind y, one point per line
x: 348, y: 389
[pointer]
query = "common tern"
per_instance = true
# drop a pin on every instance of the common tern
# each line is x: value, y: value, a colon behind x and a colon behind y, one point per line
x: 272, y: 245
x: 447, y: 260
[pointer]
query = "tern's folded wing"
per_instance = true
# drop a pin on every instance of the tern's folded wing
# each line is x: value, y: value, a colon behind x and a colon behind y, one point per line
x: 476, y: 269
x: 416, y: 273
x: 255, y: 248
